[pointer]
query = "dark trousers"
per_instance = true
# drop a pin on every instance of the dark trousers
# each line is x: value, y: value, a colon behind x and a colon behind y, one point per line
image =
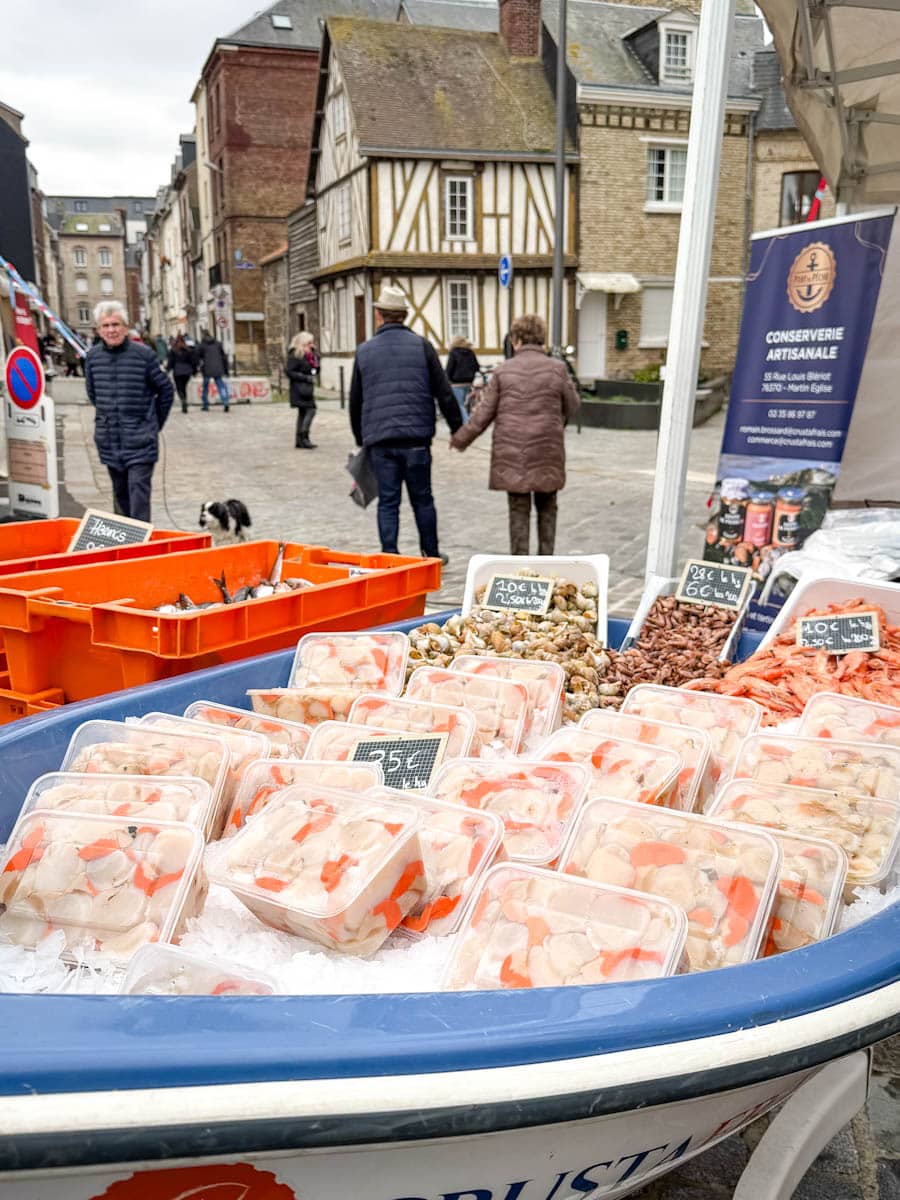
x: 304, y: 424
x: 520, y: 521
x: 392, y: 466
x: 131, y: 490
x: 181, y: 384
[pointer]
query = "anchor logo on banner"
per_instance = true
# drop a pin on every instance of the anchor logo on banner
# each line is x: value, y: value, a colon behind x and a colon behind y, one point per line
x: 811, y: 278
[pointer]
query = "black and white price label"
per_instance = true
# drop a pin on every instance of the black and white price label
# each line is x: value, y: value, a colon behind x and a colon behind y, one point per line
x: 408, y: 762
x: 710, y: 583
x: 518, y: 593
x: 839, y: 634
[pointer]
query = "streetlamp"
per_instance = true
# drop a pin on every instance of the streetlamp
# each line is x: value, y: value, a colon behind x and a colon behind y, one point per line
x: 559, y: 233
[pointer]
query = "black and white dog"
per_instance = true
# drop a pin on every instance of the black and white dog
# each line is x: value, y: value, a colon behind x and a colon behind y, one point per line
x: 226, y: 520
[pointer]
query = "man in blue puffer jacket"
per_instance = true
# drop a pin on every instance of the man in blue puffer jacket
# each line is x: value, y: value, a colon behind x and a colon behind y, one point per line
x: 397, y: 377
x: 133, y: 397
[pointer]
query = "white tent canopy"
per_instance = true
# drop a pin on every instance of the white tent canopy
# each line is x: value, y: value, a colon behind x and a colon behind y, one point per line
x: 841, y: 65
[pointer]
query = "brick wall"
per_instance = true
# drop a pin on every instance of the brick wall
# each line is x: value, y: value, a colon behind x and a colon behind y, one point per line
x: 617, y: 234
x: 274, y: 274
x: 520, y: 27
x: 260, y: 109
x: 776, y: 152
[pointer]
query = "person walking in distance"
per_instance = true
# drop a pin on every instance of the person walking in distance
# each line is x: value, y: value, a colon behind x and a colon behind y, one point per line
x: 301, y: 368
x: 215, y: 367
x: 132, y: 396
x: 462, y: 367
x: 529, y: 400
x: 397, y: 377
x: 182, y: 365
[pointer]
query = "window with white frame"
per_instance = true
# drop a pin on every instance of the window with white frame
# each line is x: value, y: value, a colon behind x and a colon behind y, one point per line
x: 665, y: 176
x: 676, y: 62
x: 81, y: 206
x: 105, y: 257
x: 459, y: 309
x: 344, y: 213
x: 104, y: 227
x: 458, y: 207
x: 80, y: 256
x: 84, y: 313
x: 106, y: 285
x: 339, y: 110
x: 81, y: 284
x: 656, y: 314
x: 81, y: 226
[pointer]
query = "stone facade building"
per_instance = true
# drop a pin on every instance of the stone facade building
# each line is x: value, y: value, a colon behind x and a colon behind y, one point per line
x: 92, y: 266
x: 275, y: 307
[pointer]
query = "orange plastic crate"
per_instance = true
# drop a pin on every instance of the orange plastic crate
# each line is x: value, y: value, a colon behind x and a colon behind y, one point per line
x: 89, y: 630
x: 41, y: 546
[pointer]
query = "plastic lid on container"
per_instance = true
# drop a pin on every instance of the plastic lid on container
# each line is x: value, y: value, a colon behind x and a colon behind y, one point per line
x: 734, y: 489
x: 618, y: 767
x: 162, y: 798
x: 828, y: 714
x: 458, y: 845
x: 334, y: 740
x: 337, y: 867
x: 724, y: 876
x: 161, y: 970
x: 268, y: 777
x: 307, y: 706
x: 287, y: 739
x: 535, y: 800
x: 863, y: 768
x: 110, y: 885
x: 411, y: 717
x: 119, y: 747
x: 809, y: 894
x: 244, y: 745
x: 368, y: 662
x: 545, y: 681
x: 792, y: 494
x: 526, y: 927
x: 498, y: 705
x: 695, y: 780
x: 866, y: 829
x: 727, y: 719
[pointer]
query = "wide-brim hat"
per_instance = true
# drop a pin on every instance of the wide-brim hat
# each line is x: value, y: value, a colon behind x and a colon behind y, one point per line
x: 392, y: 299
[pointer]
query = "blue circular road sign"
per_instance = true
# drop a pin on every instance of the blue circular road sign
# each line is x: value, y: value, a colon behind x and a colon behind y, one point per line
x: 24, y: 377
x: 505, y: 270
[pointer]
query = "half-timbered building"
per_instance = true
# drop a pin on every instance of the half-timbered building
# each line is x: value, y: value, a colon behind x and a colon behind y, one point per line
x: 433, y: 156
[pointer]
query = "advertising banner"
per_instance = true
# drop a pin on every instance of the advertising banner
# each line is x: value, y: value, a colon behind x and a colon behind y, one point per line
x: 809, y: 304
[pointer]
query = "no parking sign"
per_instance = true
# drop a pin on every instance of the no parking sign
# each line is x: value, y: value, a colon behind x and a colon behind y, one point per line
x: 31, y: 437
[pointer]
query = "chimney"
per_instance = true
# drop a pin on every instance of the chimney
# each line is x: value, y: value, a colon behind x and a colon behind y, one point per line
x: 520, y: 27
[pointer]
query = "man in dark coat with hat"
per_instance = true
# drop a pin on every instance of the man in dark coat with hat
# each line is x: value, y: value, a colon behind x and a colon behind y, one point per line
x: 397, y: 377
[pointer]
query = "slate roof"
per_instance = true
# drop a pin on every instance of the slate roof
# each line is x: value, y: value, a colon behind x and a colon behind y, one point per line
x: 93, y: 222
x: 774, y: 112
x: 597, y: 54
x: 479, y: 16
x: 305, y: 15
x: 423, y: 88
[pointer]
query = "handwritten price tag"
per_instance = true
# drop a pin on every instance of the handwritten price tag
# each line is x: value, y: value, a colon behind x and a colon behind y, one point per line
x: 408, y: 762
x: 840, y: 634
x: 518, y: 593
x: 708, y: 583
x: 99, y: 530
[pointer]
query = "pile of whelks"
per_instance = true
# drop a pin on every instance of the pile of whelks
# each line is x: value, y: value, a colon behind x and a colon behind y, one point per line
x: 663, y: 832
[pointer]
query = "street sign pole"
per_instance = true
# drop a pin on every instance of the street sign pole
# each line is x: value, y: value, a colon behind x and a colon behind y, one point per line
x: 559, y: 234
x: 30, y: 422
x: 505, y: 279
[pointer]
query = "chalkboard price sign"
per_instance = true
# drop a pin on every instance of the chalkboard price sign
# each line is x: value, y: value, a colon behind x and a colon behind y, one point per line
x: 518, y: 593
x: 710, y: 583
x: 100, y: 531
x: 408, y: 762
x: 840, y: 634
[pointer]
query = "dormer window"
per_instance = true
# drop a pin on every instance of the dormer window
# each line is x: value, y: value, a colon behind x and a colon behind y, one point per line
x: 677, y: 42
x: 675, y: 56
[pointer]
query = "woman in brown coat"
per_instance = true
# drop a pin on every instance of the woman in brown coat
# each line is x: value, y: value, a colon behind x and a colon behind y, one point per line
x: 530, y: 398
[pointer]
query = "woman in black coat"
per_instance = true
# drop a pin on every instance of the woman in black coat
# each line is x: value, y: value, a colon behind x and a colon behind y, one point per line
x: 462, y: 367
x: 182, y: 365
x: 301, y: 368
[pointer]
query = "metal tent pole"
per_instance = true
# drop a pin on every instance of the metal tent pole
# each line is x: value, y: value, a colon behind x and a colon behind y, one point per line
x: 691, y: 275
x: 559, y: 235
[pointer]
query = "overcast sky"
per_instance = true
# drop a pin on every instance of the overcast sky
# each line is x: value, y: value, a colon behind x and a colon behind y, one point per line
x: 105, y: 87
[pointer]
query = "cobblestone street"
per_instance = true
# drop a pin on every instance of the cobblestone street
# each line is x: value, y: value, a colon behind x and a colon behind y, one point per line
x: 301, y: 495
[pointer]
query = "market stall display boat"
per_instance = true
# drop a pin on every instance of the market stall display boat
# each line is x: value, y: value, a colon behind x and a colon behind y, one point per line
x: 517, y: 1095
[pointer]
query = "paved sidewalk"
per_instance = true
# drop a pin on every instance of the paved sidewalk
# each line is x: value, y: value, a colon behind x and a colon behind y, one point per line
x: 303, y: 495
